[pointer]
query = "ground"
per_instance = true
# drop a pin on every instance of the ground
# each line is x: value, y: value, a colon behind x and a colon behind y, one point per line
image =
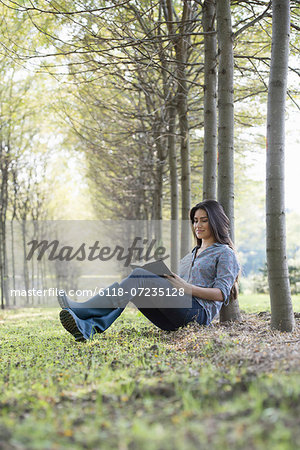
x: 228, y: 386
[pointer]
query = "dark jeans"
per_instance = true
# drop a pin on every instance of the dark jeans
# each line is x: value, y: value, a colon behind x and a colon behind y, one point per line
x: 168, y: 312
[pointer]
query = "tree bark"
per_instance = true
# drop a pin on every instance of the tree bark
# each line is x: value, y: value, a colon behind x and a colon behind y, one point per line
x: 173, y: 187
x: 1, y: 268
x: 170, y: 98
x: 226, y: 129
x: 210, y: 105
x: 225, y: 107
x: 13, y: 265
x: 278, y: 276
x: 182, y: 108
x: 25, y: 264
x: 160, y: 164
x: 4, y: 172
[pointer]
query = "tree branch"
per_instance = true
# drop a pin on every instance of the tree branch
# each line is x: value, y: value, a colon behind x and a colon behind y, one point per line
x: 253, y: 22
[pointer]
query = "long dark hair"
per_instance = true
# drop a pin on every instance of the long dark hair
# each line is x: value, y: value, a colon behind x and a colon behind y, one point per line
x: 218, y: 221
x: 220, y: 227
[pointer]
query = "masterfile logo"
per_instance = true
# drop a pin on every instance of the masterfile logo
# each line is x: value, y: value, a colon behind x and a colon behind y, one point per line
x: 137, y: 251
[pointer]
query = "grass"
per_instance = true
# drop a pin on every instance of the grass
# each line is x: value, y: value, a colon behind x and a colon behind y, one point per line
x: 261, y: 302
x: 136, y: 387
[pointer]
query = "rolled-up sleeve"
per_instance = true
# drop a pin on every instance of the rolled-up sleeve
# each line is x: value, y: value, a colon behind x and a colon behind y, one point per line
x: 227, y: 271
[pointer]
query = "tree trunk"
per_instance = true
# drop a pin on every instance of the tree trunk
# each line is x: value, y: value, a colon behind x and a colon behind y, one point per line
x: 167, y: 8
x: 182, y: 108
x: 173, y: 187
x: 25, y: 264
x: 4, y: 170
x: 225, y: 129
x: 6, y: 277
x: 13, y: 264
x: 1, y: 269
x: 278, y: 276
x: 12, y: 227
x: 158, y: 179
x: 210, y: 106
x: 225, y: 107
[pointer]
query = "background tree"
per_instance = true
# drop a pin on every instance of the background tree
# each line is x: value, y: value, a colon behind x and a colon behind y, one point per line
x: 278, y: 276
x: 210, y: 101
x: 226, y: 129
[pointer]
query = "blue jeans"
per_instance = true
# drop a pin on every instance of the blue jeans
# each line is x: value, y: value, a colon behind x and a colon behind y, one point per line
x: 168, y: 312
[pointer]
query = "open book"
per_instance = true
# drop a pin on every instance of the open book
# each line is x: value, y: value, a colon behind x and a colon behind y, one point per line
x: 157, y: 267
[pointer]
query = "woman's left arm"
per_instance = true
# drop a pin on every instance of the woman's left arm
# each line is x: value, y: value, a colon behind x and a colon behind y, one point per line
x: 226, y: 273
x: 214, y: 294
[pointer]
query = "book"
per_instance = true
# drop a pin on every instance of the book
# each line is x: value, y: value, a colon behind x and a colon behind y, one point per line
x: 157, y: 267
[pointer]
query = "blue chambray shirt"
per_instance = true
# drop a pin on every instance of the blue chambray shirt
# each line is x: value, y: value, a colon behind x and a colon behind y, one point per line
x: 215, y: 267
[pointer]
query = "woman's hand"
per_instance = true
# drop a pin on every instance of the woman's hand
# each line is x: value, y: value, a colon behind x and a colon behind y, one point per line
x: 180, y: 283
x: 214, y: 294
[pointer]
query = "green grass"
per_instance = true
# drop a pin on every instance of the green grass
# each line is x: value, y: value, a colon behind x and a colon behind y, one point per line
x: 261, y: 302
x: 137, y: 387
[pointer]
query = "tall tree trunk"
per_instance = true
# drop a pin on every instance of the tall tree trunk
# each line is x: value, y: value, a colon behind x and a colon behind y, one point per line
x: 278, y: 276
x: 158, y: 195
x: 13, y: 264
x: 173, y: 187
x: 1, y: 269
x: 25, y: 264
x: 182, y: 107
x: 167, y: 8
x: 12, y: 228
x: 6, y: 277
x: 4, y: 265
x: 225, y: 107
x: 4, y: 170
x: 210, y: 105
x: 225, y: 129
x: 185, y: 173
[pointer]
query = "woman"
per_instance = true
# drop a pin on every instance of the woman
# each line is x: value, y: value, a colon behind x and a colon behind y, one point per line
x: 207, y: 280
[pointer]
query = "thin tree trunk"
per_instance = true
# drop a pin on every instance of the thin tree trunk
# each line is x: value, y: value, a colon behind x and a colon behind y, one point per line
x: 1, y: 269
x: 210, y: 104
x: 3, y: 264
x: 13, y: 263
x: 167, y: 8
x: 12, y: 227
x: 6, y: 277
x: 4, y: 167
x: 173, y: 187
x: 182, y: 107
x: 225, y: 107
x: 158, y: 195
x: 278, y: 276
x: 25, y: 264
x: 225, y: 129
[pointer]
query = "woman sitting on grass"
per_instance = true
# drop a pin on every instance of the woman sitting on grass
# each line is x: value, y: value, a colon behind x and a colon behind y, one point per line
x: 207, y: 280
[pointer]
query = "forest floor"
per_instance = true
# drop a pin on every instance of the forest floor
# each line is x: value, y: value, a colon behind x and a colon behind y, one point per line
x: 228, y: 386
